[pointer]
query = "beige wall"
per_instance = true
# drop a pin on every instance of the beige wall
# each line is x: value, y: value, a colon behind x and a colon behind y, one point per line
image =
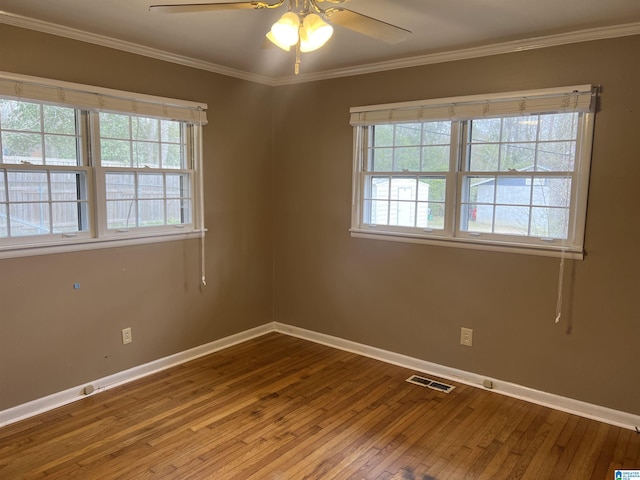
x: 413, y: 299
x: 53, y: 337
x: 410, y: 299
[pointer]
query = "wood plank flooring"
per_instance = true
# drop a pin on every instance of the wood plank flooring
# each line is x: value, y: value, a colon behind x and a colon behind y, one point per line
x: 278, y: 407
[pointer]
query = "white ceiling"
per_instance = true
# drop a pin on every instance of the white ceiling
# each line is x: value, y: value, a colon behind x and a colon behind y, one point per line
x: 234, y: 39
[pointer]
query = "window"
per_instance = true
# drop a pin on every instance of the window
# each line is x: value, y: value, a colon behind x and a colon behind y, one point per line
x: 405, y: 175
x: 43, y: 174
x: 147, y: 172
x: 81, y: 167
x: 500, y: 172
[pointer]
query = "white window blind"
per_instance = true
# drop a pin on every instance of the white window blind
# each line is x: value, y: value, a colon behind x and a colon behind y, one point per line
x: 23, y: 87
x: 577, y: 98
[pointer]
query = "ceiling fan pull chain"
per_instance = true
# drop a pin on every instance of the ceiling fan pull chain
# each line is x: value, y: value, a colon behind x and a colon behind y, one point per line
x: 297, y: 66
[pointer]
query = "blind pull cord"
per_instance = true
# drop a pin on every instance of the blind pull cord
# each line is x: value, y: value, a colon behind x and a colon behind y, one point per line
x: 564, y: 247
x: 560, y: 282
x: 201, y: 202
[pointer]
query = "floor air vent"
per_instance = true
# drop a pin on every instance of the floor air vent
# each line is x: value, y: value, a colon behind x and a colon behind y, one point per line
x: 426, y: 382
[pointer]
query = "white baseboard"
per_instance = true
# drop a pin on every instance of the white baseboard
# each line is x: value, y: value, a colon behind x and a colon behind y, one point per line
x: 583, y: 409
x: 569, y: 405
x: 55, y: 400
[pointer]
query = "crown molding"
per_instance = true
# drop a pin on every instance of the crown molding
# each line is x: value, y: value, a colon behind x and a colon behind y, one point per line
x: 533, y: 43
x: 104, y: 41
x: 586, y: 35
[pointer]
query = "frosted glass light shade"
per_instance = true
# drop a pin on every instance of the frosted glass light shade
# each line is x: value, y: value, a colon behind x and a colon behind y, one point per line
x: 314, y: 33
x: 285, y: 30
x: 275, y: 41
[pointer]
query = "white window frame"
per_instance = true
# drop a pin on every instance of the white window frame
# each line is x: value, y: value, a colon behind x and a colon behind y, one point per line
x: 188, y: 132
x: 88, y: 101
x: 461, y: 110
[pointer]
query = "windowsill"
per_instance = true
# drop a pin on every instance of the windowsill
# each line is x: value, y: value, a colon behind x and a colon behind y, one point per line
x: 16, y: 251
x: 473, y: 245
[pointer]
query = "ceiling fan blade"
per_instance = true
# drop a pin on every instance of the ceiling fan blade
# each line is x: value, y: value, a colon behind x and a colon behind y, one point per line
x: 201, y: 7
x: 367, y: 25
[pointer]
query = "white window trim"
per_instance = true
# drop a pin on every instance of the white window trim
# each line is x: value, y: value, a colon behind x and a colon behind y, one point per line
x: 92, y: 99
x: 573, y: 98
x: 34, y: 249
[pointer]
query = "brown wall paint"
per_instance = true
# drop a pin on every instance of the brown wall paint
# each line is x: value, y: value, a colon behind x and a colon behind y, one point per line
x: 410, y: 299
x: 413, y: 299
x: 53, y: 337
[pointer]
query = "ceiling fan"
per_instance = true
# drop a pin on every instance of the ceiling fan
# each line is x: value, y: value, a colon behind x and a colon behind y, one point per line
x: 306, y: 26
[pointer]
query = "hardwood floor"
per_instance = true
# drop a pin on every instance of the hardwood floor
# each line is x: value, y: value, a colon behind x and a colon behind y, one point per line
x: 278, y: 407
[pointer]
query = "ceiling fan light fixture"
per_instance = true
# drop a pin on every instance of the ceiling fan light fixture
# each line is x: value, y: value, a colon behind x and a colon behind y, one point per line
x: 299, y: 28
x: 314, y: 33
x: 285, y: 30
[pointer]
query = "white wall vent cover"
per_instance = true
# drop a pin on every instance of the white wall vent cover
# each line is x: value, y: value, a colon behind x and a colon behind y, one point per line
x: 427, y: 382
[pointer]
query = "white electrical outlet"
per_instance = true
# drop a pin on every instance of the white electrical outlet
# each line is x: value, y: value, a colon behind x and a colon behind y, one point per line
x: 466, y: 336
x: 126, y: 336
